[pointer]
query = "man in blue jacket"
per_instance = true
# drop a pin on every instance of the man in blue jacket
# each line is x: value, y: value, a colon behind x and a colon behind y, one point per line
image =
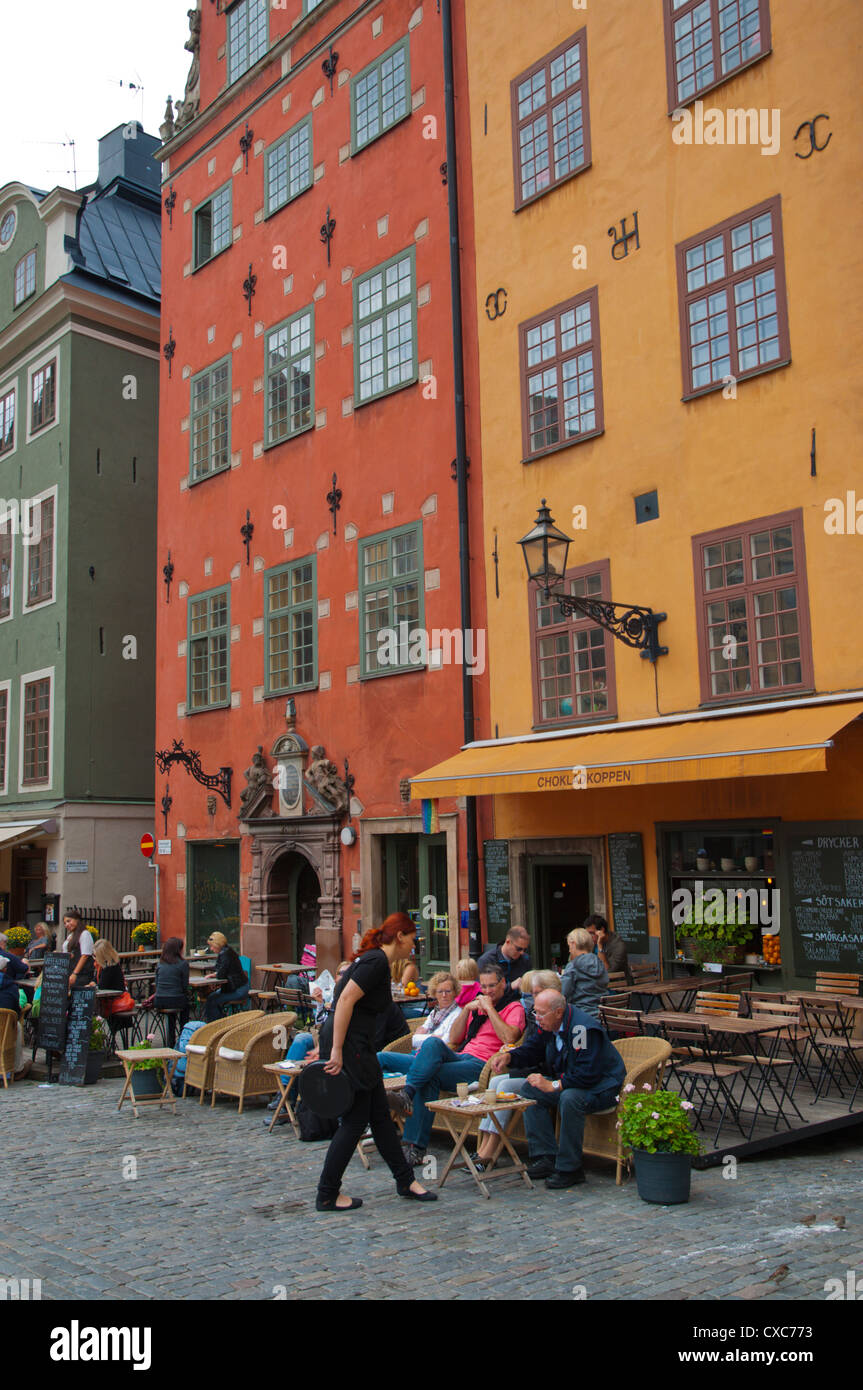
x: 578, y: 1070
x: 11, y: 971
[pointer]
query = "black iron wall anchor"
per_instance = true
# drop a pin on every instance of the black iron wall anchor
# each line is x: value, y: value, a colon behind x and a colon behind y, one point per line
x: 813, y: 473
x: 495, y: 557
x: 247, y: 531
x: 190, y: 759
x: 170, y: 204
x: 811, y: 126
x: 168, y: 572
x: 624, y: 238
x: 329, y: 66
x: 246, y: 144
x: 249, y: 288
x: 444, y: 173
x: 169, y: 349
x: 327, y: 231
x: 334, y: 501
x: 494, y: 308
x: 350, y: 782
x: 167, y: 803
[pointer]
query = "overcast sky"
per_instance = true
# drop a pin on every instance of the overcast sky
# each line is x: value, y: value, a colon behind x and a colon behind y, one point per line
x: 63, y: 64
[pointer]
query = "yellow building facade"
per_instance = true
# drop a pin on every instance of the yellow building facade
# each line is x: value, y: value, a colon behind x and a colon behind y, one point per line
x: 669, y: 291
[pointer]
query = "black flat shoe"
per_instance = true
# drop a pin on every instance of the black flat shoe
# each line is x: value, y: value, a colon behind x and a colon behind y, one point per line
x: 331, y: 1206
x: 416, y: 1196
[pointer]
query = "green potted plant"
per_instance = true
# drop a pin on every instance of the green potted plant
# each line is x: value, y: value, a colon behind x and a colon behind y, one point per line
x: 98, y: 1051
x: 717, y: 930
x: 146, y: 1074
x: 655, y: 1127
x: 144, y: 935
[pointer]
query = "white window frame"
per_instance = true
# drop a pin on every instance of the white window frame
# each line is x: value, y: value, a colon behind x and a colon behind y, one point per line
x: 26, y: 608
x: 47, y: 673
x: 10, y: 387
x: 34, y: 367
x: 7, y: 686
x: 11, y: 614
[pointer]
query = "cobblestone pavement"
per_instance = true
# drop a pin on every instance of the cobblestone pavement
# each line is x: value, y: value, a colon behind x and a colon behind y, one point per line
x: 220, y: 1209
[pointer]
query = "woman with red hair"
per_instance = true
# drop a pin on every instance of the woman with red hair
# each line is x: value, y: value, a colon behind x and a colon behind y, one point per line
x: 364, y: 992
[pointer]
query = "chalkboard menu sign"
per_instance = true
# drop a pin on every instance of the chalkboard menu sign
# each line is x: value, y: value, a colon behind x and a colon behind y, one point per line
x: 54, y: 1000
x: 497, y: 905
x: 81, y: 1008
x: 628, y: 899
x: 823, y: 890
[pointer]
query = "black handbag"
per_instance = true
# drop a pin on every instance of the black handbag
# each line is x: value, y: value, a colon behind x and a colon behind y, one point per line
x: 327, y: 1095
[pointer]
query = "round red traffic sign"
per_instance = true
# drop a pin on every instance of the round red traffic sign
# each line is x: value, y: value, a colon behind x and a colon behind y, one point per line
x: 148, y: 845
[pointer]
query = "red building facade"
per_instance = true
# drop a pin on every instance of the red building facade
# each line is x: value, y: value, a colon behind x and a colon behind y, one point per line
x: 308, y: 514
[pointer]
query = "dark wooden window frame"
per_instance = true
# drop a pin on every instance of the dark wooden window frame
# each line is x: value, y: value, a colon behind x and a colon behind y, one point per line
x: 703, y: 596
x: 670, y: 15
x: 40, y: 556
x: 602, y: 567
x: 775, y: 262
x: 7, y: 554
x: 24, y: 265
x: 7, y: 419
x: 46, y: 368
x: 580, y: 37
x: 590, y: 296
x: 29, y: 719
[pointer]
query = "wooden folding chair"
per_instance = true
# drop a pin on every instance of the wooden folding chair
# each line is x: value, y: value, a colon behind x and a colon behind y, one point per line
x: 710, y: 1001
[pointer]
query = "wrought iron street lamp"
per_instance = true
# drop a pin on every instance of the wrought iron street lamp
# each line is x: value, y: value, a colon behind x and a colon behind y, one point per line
x: 545, y: 549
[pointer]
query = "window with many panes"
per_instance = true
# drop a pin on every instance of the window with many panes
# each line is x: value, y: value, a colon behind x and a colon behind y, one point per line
x: 573, y: 658
x: 7, y: 421
x: 385, y: 336
x: 290, y: 371
x: 290, y: 624
x: 209, y: 642
x: 37, y: 731
x: 43, y: 396
x: 733, y: 309
x: 753, y: 608
x: 309, y: 5
x: 6, y: 532
x: 210, y: 423
x: 213, y: 226
x: 391, y: 601
x: 550, y: 120
x: 380, y: 96
x: 247, y: 36
x: 288, y: 166
x: 40, y: 553
x: 707, y: 41
x: 561, y: 376
x: 4, y: 735
x: 25, y: 278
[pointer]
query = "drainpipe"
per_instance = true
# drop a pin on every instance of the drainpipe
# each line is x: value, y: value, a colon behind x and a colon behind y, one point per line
x: 461, y: 463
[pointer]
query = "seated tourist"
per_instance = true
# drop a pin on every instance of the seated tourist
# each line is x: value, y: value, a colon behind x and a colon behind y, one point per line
x: 496, y: 1016
x: 491, y: 1143
x: 404, y: 972
x: 12, y: 969
x: 467, y: 976
x: 577, y: 1071
x: 42, y: 943
x: 438, y: 1024
x: 172, y: 986
x: 229, y: 971
x: 509, y: 955
x: 585, y: 979
x: 610, y: 947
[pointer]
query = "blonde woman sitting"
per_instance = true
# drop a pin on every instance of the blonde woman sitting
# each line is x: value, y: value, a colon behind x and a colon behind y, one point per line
x: 491, y: 1143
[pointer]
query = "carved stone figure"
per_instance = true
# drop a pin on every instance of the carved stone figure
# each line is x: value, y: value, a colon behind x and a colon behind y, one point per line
x: 323, y: 776
x: 257, y: 777
x: 166, y: 129
x: 188, y: 110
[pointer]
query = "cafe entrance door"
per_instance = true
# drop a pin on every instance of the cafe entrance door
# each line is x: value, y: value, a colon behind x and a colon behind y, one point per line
x: 560, y: 894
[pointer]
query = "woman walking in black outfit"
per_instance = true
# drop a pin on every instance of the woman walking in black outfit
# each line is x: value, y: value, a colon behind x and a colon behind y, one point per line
x: 362, y: 994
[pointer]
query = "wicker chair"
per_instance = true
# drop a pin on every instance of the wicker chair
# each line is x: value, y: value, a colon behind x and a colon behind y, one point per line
x: 201, y: 1053
x: 242, y: 1052
x: 404, y: 1044
x: 645, y: 1060
x: 8, y: 1038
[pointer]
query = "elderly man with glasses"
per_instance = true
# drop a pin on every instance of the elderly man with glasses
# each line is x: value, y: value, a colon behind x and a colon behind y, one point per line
x: 577, y: 1070
x: 510, y: 955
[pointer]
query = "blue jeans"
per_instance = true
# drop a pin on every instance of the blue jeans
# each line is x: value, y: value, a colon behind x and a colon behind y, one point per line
x: 215, y: 1005
x: 435, y: 1068
x: 396, y: 1061
x: 574, y: 1105
x: 303, y: 1043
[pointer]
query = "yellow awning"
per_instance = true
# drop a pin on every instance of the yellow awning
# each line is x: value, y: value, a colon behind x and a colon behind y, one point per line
x: 741, y: 745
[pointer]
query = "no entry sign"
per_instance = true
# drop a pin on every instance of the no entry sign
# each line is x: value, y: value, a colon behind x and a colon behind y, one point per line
x: 148, y: 845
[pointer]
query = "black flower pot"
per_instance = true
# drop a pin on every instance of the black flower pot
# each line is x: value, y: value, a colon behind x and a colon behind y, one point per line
x: 146, y: 1082
x: 662, y: 1178
x: 93, y: 1067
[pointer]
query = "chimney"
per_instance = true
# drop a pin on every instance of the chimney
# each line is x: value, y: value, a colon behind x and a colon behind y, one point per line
x: 127, y: 153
